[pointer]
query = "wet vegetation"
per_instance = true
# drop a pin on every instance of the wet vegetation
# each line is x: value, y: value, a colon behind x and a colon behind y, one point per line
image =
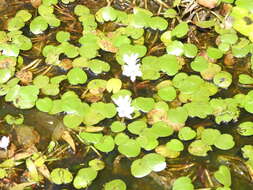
x: 126, y: 94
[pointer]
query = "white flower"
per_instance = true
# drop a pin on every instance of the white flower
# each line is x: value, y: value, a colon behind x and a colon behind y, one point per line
x: 131, y: 69
x: 4, y: 142
x: 124, y: 108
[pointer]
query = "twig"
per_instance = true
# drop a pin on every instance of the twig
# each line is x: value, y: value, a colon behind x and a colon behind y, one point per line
x: 162, y: 3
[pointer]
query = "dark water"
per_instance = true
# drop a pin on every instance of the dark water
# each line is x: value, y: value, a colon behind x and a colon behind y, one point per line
x: 45, y: 124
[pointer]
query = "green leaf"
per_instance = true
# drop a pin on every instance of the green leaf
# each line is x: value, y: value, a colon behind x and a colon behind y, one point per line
x: 118, y: 126
x: 175, y: 145
x: 186, y: 133
x: 62, y: 36
x: 61, y: 176
x: 229, y: 38
x: 38, y: 25
x: 245, y: 128
x: 246, y: 4
x: 223, y: 79
x: 5, y: 75
x: 223, y: 176
x: 158, y: 23
x: 167, y: 93
x: 24, y: 15
x: 155, y: 161
x: 72, y: 120
x: 178, y: 115
x: 245, y: 79
x: 175, y: 48
x: 199, y: 64
x: 170, y: 13
x: 161, y: 129
x: 224, y: 142
x: 113, y: 85
x: 209, y: 136
x: 140, y: 168
x: 190, y: 50
x: 84, y: 177
x: 105, y: 144
x: 121, y: 138
x: 81, y: 10
x: 44, y: 104
x: 247, y: 151
x: 116, y: 184
x: 97, y: 164
x: 214, y: 53
x: 12, y: 120
x: 91, y: 137
x: 143, y: 104
x: 199, y: 148
x: 76, y: 76
x: 169, y: 64
x: 130, y: 148
x: 136, y: 127
x: 180, y: 30
x: 15, y: 24
x: 183, y: 183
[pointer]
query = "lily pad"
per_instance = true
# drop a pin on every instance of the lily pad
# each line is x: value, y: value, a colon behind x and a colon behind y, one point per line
x: 61, y: 176
x: 76, y: 76
x: 84, y: 177
x: 116, y: 184
x: 224, y: 142
x: 223, y: 176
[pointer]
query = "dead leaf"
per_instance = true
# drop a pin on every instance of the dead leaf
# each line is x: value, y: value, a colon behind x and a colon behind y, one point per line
x: 67, y: 137
x: 22, y: 186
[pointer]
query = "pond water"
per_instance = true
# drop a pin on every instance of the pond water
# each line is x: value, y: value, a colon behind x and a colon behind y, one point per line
x: 46, y: 127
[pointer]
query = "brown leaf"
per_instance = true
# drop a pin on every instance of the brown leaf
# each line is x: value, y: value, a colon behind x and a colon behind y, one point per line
x: 67, y: 137
x: 208, y: 3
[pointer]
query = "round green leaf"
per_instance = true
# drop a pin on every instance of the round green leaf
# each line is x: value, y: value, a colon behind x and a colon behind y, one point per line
x: 116, y: 184
x: 224, y: 142
x: 76, y: 76
x: 105, y: 144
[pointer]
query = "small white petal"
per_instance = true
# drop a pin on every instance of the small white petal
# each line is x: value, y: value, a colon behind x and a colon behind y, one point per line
x: 4, y: 142
x: 124, y: 108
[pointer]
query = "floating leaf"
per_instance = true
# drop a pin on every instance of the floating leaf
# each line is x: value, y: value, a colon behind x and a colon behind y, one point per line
x: 167, y: 93
x: 186, y: 133
x: 62, y: 36
x: 44, y: 104
x: 245, y: 128
x: 76, y: 76
x: 97, y: 164
x: 105, y: 144
x: 12, y: 120
x: 113, y: 85
x: 118, y: 126
x: 214, y: 53
x: 116, y: 184
x: 183, y: 183
x: 143, y: 104
x: 61, y: 176
x: 209, y: 136
x: 223, y: 176
x: 175, y: 48
x: 180, y: 30
x: 199, y: 148
x: 129, y: 148
x: 175, y: 145
x: 223, y: 79
x: 224, y: 142
x: 84, y: 177
x: 245, y: 79
x: 136, y: 127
